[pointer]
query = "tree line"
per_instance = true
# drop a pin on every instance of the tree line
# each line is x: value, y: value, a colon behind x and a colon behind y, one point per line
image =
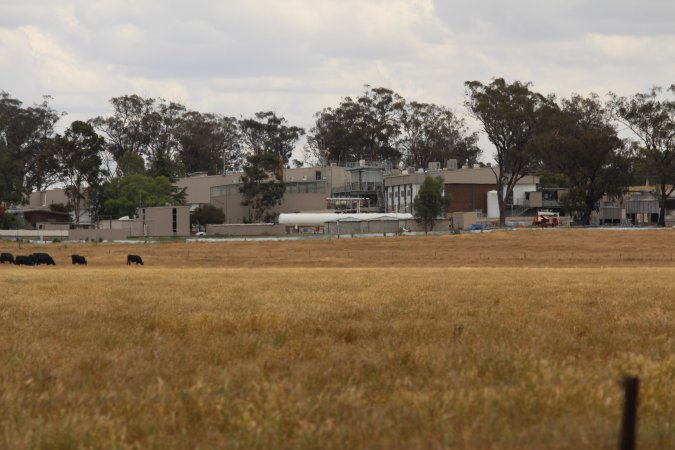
x: 574, y: 142
x: 129, y: 158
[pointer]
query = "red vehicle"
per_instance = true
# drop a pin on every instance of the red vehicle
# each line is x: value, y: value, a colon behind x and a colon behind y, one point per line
x: 546, y: 219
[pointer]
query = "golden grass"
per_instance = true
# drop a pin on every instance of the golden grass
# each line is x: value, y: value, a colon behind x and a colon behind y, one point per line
x: 454, y: 342
x: 523, y: 248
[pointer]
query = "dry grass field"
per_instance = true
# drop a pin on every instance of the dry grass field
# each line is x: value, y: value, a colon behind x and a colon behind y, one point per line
x: 508, y: 340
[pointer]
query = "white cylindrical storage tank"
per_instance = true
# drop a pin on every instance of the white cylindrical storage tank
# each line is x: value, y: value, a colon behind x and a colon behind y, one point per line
x: 492, y: 205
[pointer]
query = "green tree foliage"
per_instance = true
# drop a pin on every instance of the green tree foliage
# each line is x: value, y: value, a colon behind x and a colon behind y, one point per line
x: 363, y: 128
x: 8, y: 221
x: 24, y: 133
x: 652, y: 120
x: 124, y: 195
x: 381, y: 125
x: 162, y: 124
x: 552, y: 179
x: 267, y: 133
x: 434, y: 133
x: 430, y: 203
x: 77, y: 158
x: 208, y: 143
x: 511, y: 117
x: 141, y: 129
x: 581, y: 143
x: 262, y: 186
x: 126, y: 132
x: 205, y: 215
x: 12, y: 188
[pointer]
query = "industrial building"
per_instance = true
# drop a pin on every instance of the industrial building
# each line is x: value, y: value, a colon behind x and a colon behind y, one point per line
x: 468, y: 188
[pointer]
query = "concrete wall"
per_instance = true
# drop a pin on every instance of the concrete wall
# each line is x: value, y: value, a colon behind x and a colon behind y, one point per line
x: 461, y: 220
x: 256, y: 229
x: 127, y: 227
x: 363, y: 226
x: 159, y: 221
x: 52, y: 226
x: 536, y: 199
x: 230, y: 203
x: 95, y: 235
x: 439, y: 225
x: 520, y: 190
x: 199, y: 186
x: 33, y: 234
x: 333, y: 175
x: 48, y: 197
x: 383, y: 226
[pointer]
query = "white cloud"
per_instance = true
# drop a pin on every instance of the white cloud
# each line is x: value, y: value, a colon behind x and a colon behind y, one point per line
x: 619, y: 47
x: 298, y: 56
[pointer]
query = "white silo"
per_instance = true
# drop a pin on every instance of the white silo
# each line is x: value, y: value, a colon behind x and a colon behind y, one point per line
x: 492, y: 205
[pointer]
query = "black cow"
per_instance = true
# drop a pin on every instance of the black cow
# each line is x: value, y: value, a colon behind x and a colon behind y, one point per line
x: 6, y: 257
x: 77, y: 259
x: 43, y: 258
x: 24, y: 260
x: 134, y: 259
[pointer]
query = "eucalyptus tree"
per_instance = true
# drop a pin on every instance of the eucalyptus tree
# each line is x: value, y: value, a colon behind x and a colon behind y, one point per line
x: 24, y: 135
x: 162, y: 124
x: 141, y: 132
x: 208, y: 143
x: 511, y: 117
x: 265, y: 132
x: 126, y: 133
x: 581, y: 143
x: 367, y: 127
x: 77, y: 158
x: 651, y: 118
x: 262, y: 186
x: 434, y: 133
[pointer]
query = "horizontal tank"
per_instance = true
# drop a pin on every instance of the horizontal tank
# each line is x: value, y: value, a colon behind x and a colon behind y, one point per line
x: 314, y: 219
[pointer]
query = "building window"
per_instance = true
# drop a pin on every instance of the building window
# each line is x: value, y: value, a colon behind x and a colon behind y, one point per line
x: 550, y: 195
x: 174, y: 221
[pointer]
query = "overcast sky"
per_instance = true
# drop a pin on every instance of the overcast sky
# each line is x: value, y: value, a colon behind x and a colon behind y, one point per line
x: 296, y: 57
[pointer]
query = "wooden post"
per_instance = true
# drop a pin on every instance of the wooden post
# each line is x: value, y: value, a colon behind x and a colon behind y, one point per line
x: 629, y: 422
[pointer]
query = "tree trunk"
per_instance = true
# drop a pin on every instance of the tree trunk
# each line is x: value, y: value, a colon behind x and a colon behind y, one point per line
x: 662, y: 205
x: 76, y: 210
x: 588, y: 210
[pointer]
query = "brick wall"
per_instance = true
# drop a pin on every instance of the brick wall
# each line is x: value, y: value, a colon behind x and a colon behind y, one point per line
x: 468, y: 197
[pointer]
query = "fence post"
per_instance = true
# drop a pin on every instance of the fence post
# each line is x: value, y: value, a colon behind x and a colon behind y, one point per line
x: 629, y: 422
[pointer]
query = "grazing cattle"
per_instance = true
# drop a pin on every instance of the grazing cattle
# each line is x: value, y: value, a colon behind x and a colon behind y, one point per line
x: 77, y: 259
x: 134, y: 259
x: 24, y: 260
x: 43, y: 258
x: 6, y: 257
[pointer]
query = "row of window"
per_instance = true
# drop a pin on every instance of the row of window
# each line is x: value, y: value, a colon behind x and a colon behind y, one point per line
x: 396, y: 194
x: 228, y: 189
x: 306, y: 188
x: 300, y: 187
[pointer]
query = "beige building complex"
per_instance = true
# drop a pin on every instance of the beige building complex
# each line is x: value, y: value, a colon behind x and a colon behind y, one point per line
x: 468, y: 187
x: 382, y: 188
x: 307, y: 189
